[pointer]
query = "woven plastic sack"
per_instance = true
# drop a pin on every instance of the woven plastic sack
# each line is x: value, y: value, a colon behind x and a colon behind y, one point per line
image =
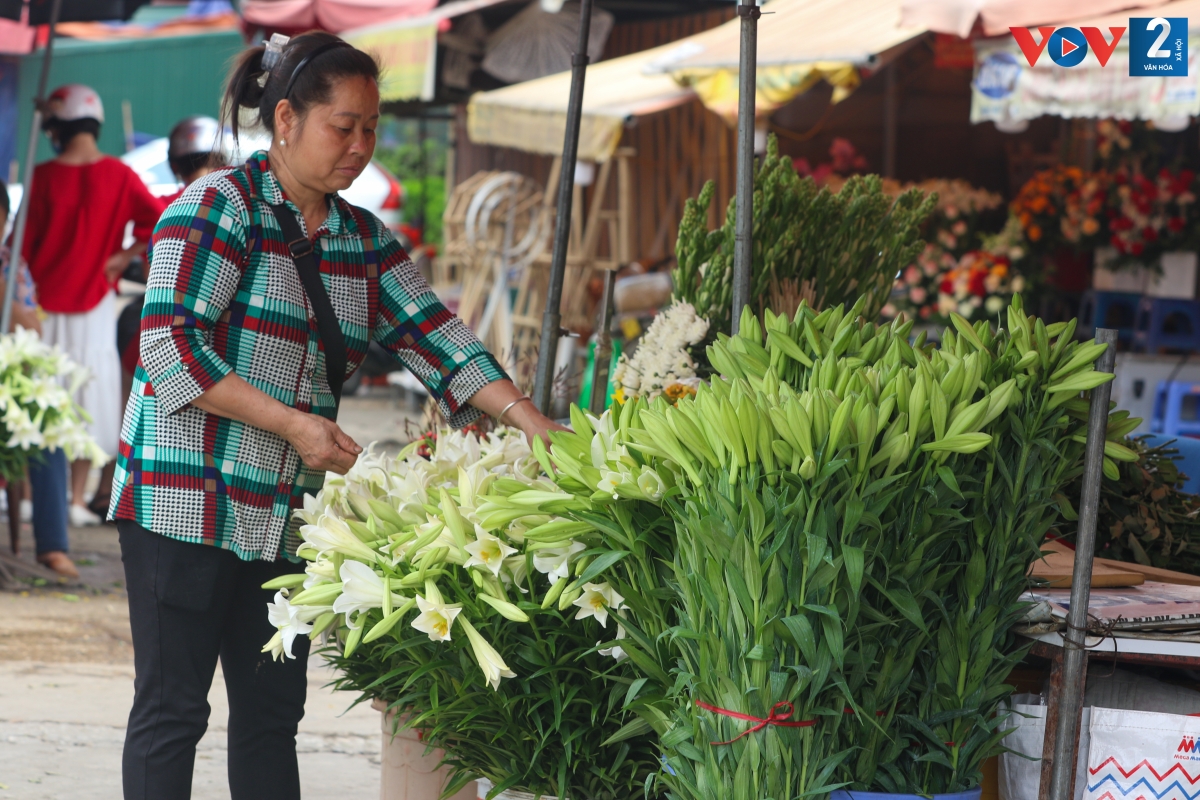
x: 1019, y: 777
x: 1143, y: 754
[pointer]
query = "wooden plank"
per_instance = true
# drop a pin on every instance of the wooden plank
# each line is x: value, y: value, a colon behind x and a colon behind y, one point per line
x: 1056, y: 568
x: 591, y: 235
x: 1150, y: 573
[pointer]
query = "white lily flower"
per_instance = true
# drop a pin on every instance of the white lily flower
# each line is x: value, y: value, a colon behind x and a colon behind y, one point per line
x: 650, y: 483
x: 616, y: 651
x: 333, y: 534
x: 320, y: 571
x: 436, y: 618
x: 487, y: 551
x: 275, y: 646
x: 47, y: 393
x: 362, y: 590
x: 25, y: 437
x: 489, y: 660
x: 286, y: 617
x: 444, y: 539
x: 368, y: 473
x: 610, y: 482
x: 555, y: 563
x: 409, y: 488
x: 516, y: 570
x: 597, y: 600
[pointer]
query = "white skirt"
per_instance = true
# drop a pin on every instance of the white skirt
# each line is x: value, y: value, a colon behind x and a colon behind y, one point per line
x: 90, y: 339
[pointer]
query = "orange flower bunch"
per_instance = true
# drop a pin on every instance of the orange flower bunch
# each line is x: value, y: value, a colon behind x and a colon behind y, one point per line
x: 1061, y: 205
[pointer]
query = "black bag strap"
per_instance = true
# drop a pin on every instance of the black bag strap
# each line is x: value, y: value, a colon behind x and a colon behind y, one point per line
x: 310, y: 275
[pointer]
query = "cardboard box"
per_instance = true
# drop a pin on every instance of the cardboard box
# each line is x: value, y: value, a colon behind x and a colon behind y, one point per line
x: 1127, y: 279
x: 1178, y: 278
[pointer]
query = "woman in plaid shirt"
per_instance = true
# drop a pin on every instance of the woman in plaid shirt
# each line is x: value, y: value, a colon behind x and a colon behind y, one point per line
x: 231, y: 420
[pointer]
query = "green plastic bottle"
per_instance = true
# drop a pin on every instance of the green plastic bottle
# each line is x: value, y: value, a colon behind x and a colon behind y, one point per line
x: 585, y: 392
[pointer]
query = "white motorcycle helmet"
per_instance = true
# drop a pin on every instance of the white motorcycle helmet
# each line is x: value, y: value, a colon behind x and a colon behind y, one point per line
x: 193, y: 136
x: 74, y: 102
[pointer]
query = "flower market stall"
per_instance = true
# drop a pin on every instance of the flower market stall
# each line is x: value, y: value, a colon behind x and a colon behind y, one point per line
x: 719, y: 597
x: 792, y: 558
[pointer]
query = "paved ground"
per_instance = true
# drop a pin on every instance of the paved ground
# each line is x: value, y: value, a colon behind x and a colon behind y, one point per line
x: 66, y: 675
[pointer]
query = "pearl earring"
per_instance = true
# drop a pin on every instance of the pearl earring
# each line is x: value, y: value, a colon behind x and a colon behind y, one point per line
x: 283, y: 142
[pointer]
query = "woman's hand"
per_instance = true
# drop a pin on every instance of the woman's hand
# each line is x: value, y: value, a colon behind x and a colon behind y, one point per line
x: 321, y: 443
x: 119, y: 261
x: 503, y: 399
x: 532, y: 422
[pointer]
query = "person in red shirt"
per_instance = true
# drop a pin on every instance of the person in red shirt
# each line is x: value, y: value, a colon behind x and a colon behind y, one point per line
x: 79, y: 207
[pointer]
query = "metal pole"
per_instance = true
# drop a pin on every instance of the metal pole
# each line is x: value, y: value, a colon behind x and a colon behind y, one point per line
x: 30, y: 154
x: 552, y: 320
x: 602, y: 358
x: 1062, y: 774
x: 743, y: 253
x: 889, y: 121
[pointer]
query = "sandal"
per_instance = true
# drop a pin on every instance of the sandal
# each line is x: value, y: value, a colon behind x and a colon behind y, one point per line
x: 59, y: 562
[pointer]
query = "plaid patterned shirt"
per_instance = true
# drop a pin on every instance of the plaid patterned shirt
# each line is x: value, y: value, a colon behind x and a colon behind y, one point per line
x: 224, y: 297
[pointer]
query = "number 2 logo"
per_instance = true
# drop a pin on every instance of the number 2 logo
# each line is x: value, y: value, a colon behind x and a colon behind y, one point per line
x: 1164, y: 29
x: 1158, y: 47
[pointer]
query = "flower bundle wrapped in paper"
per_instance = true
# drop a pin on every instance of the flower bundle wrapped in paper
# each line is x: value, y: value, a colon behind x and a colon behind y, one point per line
x: 450, y: 607
x: 37, y: 383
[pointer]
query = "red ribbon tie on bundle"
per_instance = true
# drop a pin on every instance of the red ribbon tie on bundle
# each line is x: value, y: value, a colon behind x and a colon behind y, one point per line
x: 780, y: 712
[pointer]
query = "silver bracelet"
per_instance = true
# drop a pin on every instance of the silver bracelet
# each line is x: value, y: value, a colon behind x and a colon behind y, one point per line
x: 522, y: 399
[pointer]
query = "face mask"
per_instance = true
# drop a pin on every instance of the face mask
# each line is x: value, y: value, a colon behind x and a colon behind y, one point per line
x: 54, y: 144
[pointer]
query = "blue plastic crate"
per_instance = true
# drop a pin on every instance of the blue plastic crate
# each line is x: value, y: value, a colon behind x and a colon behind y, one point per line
x: 1176, y: 409
x: 1167, y: 324
x: 1117, y: 310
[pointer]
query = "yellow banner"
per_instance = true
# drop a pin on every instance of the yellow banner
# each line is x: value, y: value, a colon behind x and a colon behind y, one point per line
x: 408, y: 57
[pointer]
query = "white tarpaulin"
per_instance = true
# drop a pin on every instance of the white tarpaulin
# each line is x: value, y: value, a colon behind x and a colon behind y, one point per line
x: 1007, y: 88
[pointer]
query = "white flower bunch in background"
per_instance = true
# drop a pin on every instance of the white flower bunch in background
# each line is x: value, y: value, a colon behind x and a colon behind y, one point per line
x: 37, y: 384
x: 662, y: 359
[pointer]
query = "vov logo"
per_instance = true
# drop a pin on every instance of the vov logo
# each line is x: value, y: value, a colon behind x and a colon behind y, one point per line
x: 1187, y: 745
x: 1067, y: 47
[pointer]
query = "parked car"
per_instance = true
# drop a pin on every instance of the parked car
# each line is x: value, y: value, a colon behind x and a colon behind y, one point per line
x: 376, y: 189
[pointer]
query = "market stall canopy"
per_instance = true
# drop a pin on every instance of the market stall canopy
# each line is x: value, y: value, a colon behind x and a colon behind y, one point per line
x: 958, y: 16
x: 532, y: 116
x: 19, y: 31
x: 800, y: 42
x: 331, y: 15
x: 1007, y: 89
x: 407, y: 48
x: 72, y: 10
